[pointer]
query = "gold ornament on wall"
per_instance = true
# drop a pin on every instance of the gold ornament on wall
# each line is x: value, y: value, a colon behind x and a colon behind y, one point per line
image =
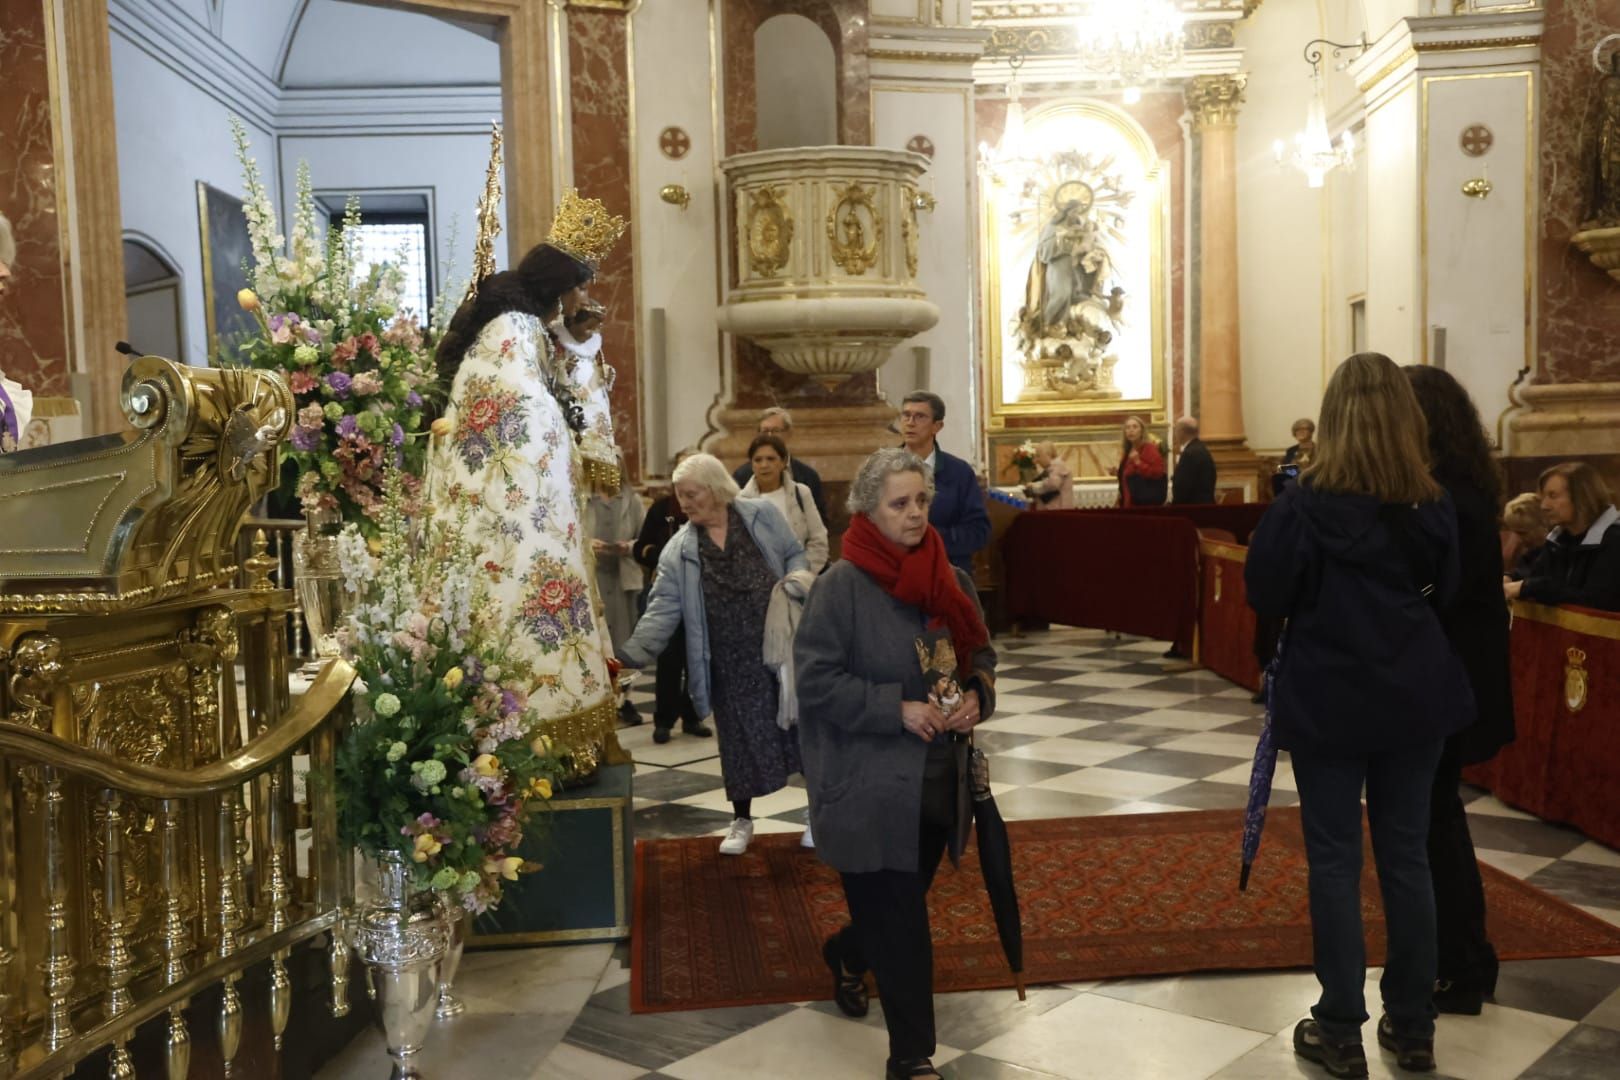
x: 770, y: 232
x: 1575, y: 682
x: 674, y: 143
x: 908, y: 230
x: 851, y: 221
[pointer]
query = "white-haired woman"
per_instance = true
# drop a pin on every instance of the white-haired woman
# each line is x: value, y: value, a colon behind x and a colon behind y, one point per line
x: 715, y: 579
x: 893, y: 657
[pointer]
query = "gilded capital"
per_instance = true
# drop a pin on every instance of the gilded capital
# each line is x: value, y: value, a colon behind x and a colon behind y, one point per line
x: 1214, y: 100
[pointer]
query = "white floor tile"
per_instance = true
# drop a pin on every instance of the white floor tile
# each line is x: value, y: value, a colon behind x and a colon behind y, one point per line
x: 1025, y: 703
x: 764, y: 825
x: 1265, y: 1003
x: 805, y: 1044
x: 1188, y: 719
x: 1495, y: 807
x: 1142, y: 807
x: 1047, y: 725
x: 1594, y: 852
x: 1499, y: 1044
x: 1118, y: 680
x: 1214, y: 742
x: 1512, y: 862
x: 1008, y: 685
x: 1107, y: 1039
x: 1146, y: 699
x: 1119, y: 783
x: 777, y: 802
x: 1282, y: 779
x: 569, y: 1062
x: 1071, y: 752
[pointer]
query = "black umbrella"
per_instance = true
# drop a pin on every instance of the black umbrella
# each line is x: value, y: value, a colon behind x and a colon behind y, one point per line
x: 995, y: 863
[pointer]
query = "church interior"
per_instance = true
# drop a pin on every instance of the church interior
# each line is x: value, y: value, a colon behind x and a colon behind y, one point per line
x: 1078, y: 249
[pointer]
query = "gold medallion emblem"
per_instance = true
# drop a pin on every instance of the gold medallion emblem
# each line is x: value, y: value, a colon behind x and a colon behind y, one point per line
x: 1575, y: 680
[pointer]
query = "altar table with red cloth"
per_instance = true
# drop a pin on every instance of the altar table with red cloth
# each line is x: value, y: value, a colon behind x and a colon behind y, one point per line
x: 1122, y: 570
x: 1564, y: 764
x: 1239, y: 519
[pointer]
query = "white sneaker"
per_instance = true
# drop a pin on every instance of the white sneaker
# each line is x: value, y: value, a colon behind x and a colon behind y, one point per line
x: 807, y: 841
x: 737, y: 837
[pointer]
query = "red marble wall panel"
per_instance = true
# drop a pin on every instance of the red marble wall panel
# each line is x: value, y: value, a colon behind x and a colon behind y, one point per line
x: 33, y: 320
x: 1160, y: 116
x: 598, y: 58
x: 760, y: 383
x: 1579, y: 305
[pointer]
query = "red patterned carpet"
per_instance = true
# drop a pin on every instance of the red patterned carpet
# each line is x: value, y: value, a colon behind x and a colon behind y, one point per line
x: 1146, y: 894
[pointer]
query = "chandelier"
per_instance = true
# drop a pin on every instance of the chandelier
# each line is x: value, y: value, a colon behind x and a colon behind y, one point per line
x: 1008, y: 160
x: 1135, y: 42
x: 1315, y: 153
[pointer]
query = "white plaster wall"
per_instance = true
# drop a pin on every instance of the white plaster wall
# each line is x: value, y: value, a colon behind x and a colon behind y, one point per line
x: 449, y: 167
x: 160, y: 161
x: 946, y: 244
x: 1283, y: 253
x: 675, y: 249
x: 332, y: 48
x: 256, y: 28
x: 1478, y: 250
x: 1394, y: 315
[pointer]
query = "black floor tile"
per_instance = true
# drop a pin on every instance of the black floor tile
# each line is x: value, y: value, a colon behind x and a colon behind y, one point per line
x: 1581, y: 883
x: 1586, y: 1053
x: 1017, y: 770
x: 1084, y: 710
x: 1063, y: 691
x: 1128, y: 734
x: 667, y: 785
x: 1037, y: 674
x: 1204, y: 795
x: 999, y: 742
x: 653, y: 1040
x: 674, y: 819
x: 1564, y: 988
x: 1523, y: 837
x: 1225, y: 706
x: 1031, y: 802
x: 1161, y: 762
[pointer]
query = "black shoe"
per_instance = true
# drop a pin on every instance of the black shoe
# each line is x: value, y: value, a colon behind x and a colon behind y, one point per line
x: 629, y: 715
x: 660, y: 734
x: 1174, y: 653
x: 1411, y: 1054
x: 1457, y: 1000
x: 1346, y: 1059
x: 696, y: 727
x: 910, y: 1068
x: 849, y: 991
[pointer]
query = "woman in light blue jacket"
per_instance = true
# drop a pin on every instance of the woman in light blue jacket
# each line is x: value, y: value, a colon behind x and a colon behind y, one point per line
x: 715, y: 578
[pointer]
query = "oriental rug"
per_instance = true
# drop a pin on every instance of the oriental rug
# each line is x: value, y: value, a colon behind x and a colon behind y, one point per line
x: 1101, y: 897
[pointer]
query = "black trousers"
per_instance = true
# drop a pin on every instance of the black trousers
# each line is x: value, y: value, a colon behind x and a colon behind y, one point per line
x: 673, y: 702
x: 888, y: 933
x: 1467, y: 958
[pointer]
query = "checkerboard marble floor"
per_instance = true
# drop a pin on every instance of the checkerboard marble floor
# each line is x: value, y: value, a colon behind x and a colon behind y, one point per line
x: 1086, y: 723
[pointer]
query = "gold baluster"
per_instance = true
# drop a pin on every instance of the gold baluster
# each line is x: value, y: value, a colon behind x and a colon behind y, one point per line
x: 279, y: 896
x: 58, y: 965
x: 115, y: 954
x: 8, y: 1062
x: 337, y: 958
x: 177, y: 1049
x: 230, y: 920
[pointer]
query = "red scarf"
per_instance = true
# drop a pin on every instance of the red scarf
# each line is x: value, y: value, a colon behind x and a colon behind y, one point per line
x: 922, y: 577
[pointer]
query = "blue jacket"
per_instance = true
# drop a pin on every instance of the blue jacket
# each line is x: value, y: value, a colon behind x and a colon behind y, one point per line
x: 677, y: 594
x: 958, y: 509
x: 1366, y: 665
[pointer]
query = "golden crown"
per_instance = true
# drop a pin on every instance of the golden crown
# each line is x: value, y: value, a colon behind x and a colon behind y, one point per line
x: 584, y: 229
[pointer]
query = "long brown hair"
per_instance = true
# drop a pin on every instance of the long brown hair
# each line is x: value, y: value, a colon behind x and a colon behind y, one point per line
x: 1372, y: 438
x: 1125, y: 440
x: 1588, y: 494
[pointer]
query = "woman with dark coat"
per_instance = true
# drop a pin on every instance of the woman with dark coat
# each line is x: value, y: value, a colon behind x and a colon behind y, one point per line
x: 893, y: 662
x: 1580, y: 562
x: 1366, y: 690
x: 1476, y: 624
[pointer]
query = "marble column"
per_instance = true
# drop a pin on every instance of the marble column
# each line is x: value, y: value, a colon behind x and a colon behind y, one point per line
x: 1213, y: 101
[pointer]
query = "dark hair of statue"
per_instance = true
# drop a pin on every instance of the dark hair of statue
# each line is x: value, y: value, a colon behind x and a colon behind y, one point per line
x: 534, y: 288
x: 1459, y: 450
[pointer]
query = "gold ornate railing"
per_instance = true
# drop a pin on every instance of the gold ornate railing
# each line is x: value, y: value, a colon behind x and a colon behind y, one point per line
x: 166, y: 818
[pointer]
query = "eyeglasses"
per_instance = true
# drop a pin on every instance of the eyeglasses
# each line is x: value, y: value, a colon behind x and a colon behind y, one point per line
x: 916, y: 417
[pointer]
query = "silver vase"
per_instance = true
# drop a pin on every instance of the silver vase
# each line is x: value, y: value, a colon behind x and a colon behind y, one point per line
x: 455, y: 917
x: 318, y: 578
x: 402, y: 941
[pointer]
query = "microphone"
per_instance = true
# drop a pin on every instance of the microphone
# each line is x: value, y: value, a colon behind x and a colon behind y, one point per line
x: 128, y: 350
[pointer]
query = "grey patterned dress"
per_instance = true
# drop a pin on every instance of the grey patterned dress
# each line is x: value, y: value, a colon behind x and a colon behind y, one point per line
x: 756, y: 756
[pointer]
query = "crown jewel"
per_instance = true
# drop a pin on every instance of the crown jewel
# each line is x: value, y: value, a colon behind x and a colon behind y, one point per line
x: 584, y: 229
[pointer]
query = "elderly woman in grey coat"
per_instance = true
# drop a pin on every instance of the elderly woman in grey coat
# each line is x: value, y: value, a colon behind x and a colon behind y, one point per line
x: 894, y: 662
x: 715, y: 579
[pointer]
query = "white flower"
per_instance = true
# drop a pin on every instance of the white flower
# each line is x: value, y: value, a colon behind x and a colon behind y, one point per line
x: 386, y: 705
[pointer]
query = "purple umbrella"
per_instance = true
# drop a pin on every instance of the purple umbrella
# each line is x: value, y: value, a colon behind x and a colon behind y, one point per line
x: 1265, y: 767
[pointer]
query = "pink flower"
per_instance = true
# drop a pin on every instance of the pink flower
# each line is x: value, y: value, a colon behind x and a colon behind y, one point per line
x: 343, y: 352
x: 302, y: 382
x: 311, y: 417
x: 368, y: 343
x: 367, y: 382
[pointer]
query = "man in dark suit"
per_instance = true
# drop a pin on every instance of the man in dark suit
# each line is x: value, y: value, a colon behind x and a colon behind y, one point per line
x: 958, y: 507
x: 779, y: 422
x: 1193, y: 482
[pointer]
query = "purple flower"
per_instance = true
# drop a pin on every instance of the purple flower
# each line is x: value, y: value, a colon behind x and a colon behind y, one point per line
x: 580, y: 612
x: 413, y: 399
x: 339, y: 383
x: 509, y: 702
x: 473, y: 668
x: 546, y: 628
x: 511, y: 426
x: 305, y: 439
x: 474, y: 449
x: 398, y: 436
x: 348, y: 425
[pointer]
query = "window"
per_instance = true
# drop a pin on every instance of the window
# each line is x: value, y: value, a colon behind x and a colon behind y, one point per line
x: 403, y: 243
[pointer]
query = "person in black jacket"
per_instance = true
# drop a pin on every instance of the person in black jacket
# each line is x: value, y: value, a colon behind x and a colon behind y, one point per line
x: 664, y: 519
x: 1580, y: 562
x: 1365, y: 692
x: 1476, y: 624
x: 1193, y: 482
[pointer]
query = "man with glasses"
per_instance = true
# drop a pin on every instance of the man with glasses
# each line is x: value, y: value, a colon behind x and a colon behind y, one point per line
x: 958, y: 507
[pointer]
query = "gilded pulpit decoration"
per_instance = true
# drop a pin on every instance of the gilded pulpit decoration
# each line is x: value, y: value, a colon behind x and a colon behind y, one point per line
x: 36, y: 670
x: 1214, y: 100
x: 908, y: 229
x: 854, y: 229
x: 770, y: 232
x: 1606, y: 174
x: 1575, y: 681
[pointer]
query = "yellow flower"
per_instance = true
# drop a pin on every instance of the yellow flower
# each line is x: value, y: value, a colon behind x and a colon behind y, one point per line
x: 541, y: 744
x: 486, y: 765
x: 506, y: 867
x: 540, y: 786
x: 427, y: 846
x: 374, y: 546
x: 248, y: 299
x: 441, y: 427
x: 452, y: 679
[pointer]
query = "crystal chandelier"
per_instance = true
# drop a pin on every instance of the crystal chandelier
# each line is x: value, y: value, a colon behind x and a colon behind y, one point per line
x: 1315, y: 153
x: 1133, y: 42
x: 1008, y: 159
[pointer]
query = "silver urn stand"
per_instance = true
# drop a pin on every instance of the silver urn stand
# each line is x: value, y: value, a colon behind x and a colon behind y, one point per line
x: 455, y: 918
x: 402, y: 940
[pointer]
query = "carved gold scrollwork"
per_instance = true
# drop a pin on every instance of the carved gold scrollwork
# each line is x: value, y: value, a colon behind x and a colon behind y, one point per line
x: 854, y: 228
x: 1575, y: 680
x: 770, y: 232
x: 908, y: 229
x: 36, y: 669
x: 137, y: 717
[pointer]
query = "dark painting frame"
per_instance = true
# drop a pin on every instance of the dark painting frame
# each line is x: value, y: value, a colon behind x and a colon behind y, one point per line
x: 226, y: 249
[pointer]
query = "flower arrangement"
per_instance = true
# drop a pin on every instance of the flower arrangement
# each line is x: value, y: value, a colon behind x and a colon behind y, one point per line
x: 1023, y: 458
x: 443, y: 764
x: 360, y: 367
